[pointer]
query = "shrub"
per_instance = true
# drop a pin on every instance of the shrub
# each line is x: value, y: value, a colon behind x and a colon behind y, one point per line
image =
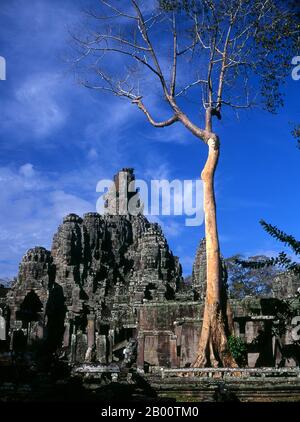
x: 238, y: 349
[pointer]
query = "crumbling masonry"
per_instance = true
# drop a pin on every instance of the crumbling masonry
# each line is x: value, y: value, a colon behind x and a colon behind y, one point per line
x: 111, y: 290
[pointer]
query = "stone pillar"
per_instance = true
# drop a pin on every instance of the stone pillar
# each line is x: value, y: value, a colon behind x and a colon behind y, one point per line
x: 173, y: 352
x: 101, y: 348
x: 2, y: 327
x: 28, y: 333
x: 236, y: 328
x: 90, y: 352
x: 111, y: 341
x: 178, y: 336
x: 140, y: 351
x: 16, y: 327
x: 91, y: 330
x: 73, y: 345
x: 161, y: 291
x: 66, y: 339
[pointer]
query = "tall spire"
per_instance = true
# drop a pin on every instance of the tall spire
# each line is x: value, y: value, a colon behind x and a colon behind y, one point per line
x: 123, y: 194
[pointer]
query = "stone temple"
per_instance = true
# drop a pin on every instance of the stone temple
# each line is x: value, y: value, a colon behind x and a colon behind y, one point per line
x: 111, y: 291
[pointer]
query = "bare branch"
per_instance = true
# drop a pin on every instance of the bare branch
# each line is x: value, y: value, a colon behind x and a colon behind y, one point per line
x: 117, y: 50
x: 204, y: 135
x: 144, y: 33
x: 121, y: 40
x: 96, y: 87
x: 174, y: 67
x: 220, y: 41
x: 210, y: 69
x: 115, y: 87
x: 190, y: 47
x: 224, y: 60
x: 198, y: 32
x: 228, y: 103
x: 186, y: 88
x: 164, y: 123
x: 118, y: 12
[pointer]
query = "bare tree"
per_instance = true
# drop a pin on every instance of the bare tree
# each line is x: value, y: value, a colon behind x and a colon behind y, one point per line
x: 217, y: 53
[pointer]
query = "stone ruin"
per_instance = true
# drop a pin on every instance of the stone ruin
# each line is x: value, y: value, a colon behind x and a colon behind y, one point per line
x: 111, y: 291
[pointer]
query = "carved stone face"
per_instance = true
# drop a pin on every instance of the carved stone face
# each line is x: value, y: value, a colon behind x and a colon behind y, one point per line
x: 150, y: 257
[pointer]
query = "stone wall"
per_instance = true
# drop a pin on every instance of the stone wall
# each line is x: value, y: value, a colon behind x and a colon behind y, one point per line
x: 168, y: 333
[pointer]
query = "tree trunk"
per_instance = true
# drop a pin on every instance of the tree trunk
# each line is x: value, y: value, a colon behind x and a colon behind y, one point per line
x: 213, y: 346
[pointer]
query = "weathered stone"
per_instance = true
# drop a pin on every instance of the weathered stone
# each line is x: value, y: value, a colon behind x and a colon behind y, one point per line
x: 2, y: 327
x: 111, y: 286
x: 286, y: 285
x: 36, y: 272
x: 106, y: 265
x: 199, y: 272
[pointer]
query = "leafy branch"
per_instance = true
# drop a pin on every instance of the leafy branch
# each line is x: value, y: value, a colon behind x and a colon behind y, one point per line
x: 282, y: 259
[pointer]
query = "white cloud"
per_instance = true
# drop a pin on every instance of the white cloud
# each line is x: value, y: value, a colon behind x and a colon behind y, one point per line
x: 31, y: 208
x: 37, y: 105
x: 62, y: 204
x: 27, y: 170
x: 157, y: 170
x: 92, y: 154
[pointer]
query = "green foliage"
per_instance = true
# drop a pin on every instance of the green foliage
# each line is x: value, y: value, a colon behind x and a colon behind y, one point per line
x: 176, y: 5
x: 238, y: 349
x: 282, y: 260
x: 296, y: 134
x: 277, y: 40
x: 236, y: 44
x: 283, y: 312
x: 244, y: 280
x: 288, y: 240
x: 271, y: 38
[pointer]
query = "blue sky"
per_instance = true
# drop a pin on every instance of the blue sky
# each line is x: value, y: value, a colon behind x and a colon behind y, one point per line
x: 57, y: 139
